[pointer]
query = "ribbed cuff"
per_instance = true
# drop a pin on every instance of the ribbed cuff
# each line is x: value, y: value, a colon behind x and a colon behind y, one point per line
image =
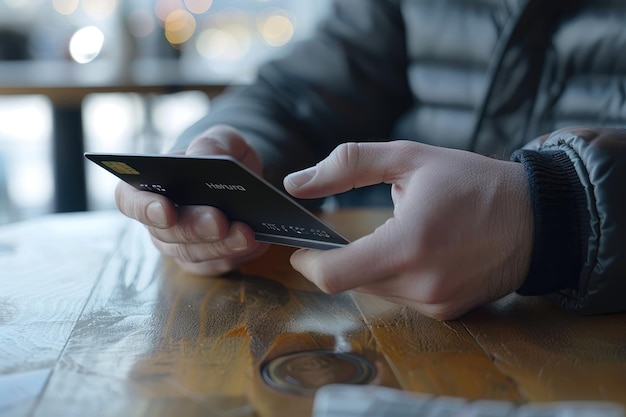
x: 560, y: 217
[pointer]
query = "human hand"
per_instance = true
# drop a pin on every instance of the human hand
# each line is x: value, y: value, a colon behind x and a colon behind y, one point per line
x: 461, y: 232
x: 199, y: 238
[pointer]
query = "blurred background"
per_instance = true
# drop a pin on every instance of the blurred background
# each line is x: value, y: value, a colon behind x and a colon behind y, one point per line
x: 118, y: 76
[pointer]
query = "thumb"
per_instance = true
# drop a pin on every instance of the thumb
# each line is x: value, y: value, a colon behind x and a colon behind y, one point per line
x: 216, y: 140
x: 225, y: 140
x: 350, y: 165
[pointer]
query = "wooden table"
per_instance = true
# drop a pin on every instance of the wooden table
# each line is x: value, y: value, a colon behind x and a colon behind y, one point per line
x: 93, y: 322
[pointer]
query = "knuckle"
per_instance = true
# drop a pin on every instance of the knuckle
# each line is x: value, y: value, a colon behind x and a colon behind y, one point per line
x: 186, y: 232
x: 430, y: 288
x: 434, y: 296
x: 327, y: 286
x: 346, y: 156
x: 311, y: 271
x: 129, y: 202
x: 327, y: 283
x: 203, y: 252
x: 185, y: 253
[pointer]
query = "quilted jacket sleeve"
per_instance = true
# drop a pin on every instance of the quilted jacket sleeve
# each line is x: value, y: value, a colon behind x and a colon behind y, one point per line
x: 577, y: 178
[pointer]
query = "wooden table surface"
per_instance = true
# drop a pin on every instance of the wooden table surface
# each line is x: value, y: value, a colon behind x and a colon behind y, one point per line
x: 67, y: 83
x: 93, y: 322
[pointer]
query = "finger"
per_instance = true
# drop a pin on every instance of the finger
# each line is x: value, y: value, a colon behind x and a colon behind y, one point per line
x: 353, y: 165
x: 225, y: 140
x: 207, y: 268
x: 146, y: 207
x: 223, y: 265
x: 239, y: 241
x: 196, y: 224
x: 420, y: 289
x: 367, y: 260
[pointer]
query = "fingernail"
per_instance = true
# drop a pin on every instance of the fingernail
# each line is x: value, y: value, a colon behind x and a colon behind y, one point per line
x: 298, y: 179
x: 205, y: 226
x: 156, y: 214
x: 236, y: 241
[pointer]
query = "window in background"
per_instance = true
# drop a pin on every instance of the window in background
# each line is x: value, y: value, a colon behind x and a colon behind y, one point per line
x: 205, y: 40
x: 25, y: 149
x: 133, y: 123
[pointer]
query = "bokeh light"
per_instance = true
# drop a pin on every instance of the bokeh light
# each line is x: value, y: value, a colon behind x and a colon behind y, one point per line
x: 198, y: 6
x: 276, y: 28
x: 99, y: 9
x: 225, y: 36
x: 86, y: 44
x: 140, y: 23
x: 227, y: 43
x: 163, y: 8
x: 180, y: 25
x: 65, y: 7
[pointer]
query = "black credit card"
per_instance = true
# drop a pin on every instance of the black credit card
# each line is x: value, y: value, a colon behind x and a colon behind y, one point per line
x: 224, y: 183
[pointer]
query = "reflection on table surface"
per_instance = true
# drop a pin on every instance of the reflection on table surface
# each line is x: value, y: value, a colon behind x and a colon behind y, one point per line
x: 94, y: 322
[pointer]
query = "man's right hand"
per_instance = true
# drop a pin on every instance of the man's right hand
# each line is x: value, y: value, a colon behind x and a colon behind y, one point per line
x: 200, y: 238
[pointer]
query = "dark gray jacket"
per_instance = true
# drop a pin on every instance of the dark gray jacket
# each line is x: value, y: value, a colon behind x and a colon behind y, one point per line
x: 483, y: 75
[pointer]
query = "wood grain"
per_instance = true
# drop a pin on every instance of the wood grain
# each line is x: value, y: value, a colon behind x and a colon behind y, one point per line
x: 552, y: 355
x: 42, y: 293
x: 153, y: 333
x: 94, y: 322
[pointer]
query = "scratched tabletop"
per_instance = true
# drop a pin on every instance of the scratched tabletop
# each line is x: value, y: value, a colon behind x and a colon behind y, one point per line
x: 94, y: 322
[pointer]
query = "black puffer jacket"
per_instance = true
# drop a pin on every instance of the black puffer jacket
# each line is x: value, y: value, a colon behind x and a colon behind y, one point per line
x: 483, y: 75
